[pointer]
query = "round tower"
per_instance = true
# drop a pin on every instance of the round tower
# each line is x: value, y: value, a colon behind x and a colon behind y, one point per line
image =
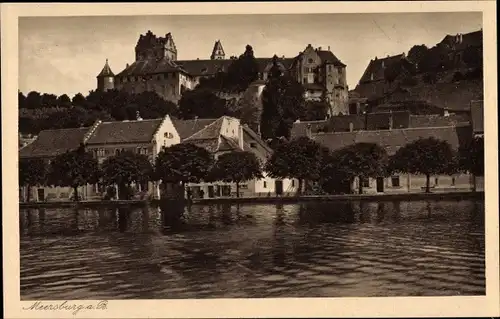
x: 106, y: 79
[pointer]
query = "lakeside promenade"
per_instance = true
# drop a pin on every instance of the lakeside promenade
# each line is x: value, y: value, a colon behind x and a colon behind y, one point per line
x: 446, y: 195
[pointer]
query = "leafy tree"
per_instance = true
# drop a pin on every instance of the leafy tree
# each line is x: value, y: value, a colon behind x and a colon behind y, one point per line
x: 32, y: 172
x: 201, y: 103
x: 332, y: 178
x: 300, y: 158
x: 473, y: 57
x: 183, y: 163
x: 74, y: 169
x: 471, y: 158
x: 64, y: 101
x: 33, y: 100
x: 435, y: 60
x: 362, y: 160
x: 243, y: 71
x: 428, y: 156
x: 78, y: 100
x: 315, y: 111
x: 21, y: 100
x: 417, y: 53
x: 283, y: 103
x: 48, y: 100
x: 237, y: 167
x: 124, y: 169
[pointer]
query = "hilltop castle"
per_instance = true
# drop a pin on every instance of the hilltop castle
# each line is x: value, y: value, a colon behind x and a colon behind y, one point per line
x: 156, y: 68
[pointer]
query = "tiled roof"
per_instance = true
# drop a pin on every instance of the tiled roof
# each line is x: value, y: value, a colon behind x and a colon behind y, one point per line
x: 262, y: 151
x: 186, y: 128
x: 210, y: 144
x: 375, y: 67
x: 54, y: 142
x: 329, y: 57
x: 468, y: 39
x: 203, y: 67
x: 125, y: 132
x: 227, y: 144
x: 210, y: 131
x: 453, y: 96
x: 477, y: 114
x: 106, y: 71
x: 372, y: 90
x: 392, y: 140
x: 438, y: 120
x: 144, y: 67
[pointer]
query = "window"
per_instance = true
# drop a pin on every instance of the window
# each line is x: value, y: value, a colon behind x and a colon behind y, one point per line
x: 253, y: 145
x: 293, y: 183
x: 265, y: 184
x: 436, y: 181
x: 145, y: 151
x: 365, y: 182
x: 310, y: 60
x: 340, y: 70
x: 117, y: 151
x: 395, y: 181
x: 453, y: 181
x: 305, y: 80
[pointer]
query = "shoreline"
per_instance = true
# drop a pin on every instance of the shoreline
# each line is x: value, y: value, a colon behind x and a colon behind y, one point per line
x: 462, y: 195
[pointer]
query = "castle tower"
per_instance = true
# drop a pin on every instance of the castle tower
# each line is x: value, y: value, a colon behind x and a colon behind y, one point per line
x: 106, y: 79
x: 169, y: 48
x: 218, y: 51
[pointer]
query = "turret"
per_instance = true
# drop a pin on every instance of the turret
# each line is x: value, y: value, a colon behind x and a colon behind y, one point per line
x: 106, y: 79
x: 218, y: 51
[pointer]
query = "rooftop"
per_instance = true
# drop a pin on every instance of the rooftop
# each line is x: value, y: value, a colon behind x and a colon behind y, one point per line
x: 51, y: 143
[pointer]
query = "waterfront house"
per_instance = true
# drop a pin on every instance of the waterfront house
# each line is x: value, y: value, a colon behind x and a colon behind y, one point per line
x: 227, y: 134
x: 47, y: 145
x: 141, y: 136
x: 392, y: 140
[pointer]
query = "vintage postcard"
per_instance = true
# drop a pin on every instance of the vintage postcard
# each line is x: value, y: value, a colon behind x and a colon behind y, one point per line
x: 211, y: 160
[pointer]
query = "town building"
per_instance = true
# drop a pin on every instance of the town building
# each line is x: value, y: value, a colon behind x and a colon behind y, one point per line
x: 157, y: 68
x: 456, y: 130
x: 47, y: 145
x: 148, y: 137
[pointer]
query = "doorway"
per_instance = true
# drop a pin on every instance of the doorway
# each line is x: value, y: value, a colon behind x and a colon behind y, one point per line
x: 278, y: 187
x: 211, y: 191
x: 380, y: 184
x: 41, y: 194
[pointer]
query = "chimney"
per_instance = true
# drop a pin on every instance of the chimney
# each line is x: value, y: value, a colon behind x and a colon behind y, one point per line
x: 328, y: 48
x: 308, y: 131
x: 351, y: 127
x: 240, y: 137
x: 258, y: 130
x: 366, y: 120
x: 319, y: 48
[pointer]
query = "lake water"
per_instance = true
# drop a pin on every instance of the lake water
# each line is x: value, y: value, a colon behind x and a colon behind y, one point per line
x: 326, y: 249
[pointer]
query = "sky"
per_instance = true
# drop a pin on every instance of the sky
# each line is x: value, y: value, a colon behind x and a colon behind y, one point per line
x: 63, y: 55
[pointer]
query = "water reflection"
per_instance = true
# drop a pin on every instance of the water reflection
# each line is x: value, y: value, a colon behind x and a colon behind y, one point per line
x: 307, y: 249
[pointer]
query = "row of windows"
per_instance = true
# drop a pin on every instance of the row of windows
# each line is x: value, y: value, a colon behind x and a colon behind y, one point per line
x: 158, y: 77
x: 395, y: 181
x: 100, y: 152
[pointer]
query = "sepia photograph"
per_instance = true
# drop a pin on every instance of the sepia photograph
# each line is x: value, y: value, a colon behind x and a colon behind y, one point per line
x: 250, y: 156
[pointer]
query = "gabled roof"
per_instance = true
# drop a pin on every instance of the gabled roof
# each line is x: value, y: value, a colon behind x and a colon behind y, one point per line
x: 377, y: 68
x: 477, y: 115
x: 474, y: 39
x: 150, y: 66
x: 210, y: 144
x: 212, y: 130
x: 329, y: 57
x: 261, y: 150
x: 106, y: 71
x: 186, y: 128
x: 217, y: 50
x: 51, y: 143
x: 437, y: 120
x: 392, y: 140
x: 125, y: 132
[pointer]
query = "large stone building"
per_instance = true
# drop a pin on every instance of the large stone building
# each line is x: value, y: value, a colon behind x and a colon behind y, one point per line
x: 157, y: 68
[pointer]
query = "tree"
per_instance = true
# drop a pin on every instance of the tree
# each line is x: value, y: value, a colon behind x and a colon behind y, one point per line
x: 471, y: 158
x: 283, y: 103
x: 427, y: 156
x: 301, y: 158
x: 362, y: 160
x: 64, y: 101
x: 33, y: 100
x: 126, y: 168
x: 417, y: 53
x: 48, y: 100
x: 237, y: 167
x: 32, y: 172
x: 315, y: 111
x: 243, y: 71
x: 78, y: 100
x: 21, y: 100
x: 183, y: 163
x: 332, y: 178
x: 201, y: 103
x: 74, y: 169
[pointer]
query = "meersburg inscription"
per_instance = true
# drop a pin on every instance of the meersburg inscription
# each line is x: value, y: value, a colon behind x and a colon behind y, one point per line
x: 70, y: 306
